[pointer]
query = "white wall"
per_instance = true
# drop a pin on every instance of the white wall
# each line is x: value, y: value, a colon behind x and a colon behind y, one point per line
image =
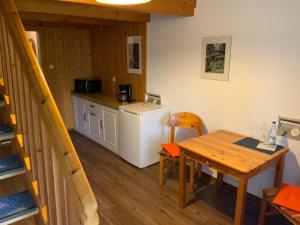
x: 34, y: 36
x: 264, y: 79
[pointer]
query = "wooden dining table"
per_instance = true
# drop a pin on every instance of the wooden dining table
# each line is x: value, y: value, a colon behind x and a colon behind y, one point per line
x: 218, y: 151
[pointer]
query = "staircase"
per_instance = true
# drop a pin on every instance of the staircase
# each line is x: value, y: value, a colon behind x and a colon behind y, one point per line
x: 55, y: 189
x: 18, y: 206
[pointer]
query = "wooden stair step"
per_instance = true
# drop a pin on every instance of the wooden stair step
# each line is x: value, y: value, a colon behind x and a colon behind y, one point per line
x: 11, y: 166
x: 6, y: 132
x: 17, y: 207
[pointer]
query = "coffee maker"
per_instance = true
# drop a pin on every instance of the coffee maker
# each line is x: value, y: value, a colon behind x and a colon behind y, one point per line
x: 125, y: 93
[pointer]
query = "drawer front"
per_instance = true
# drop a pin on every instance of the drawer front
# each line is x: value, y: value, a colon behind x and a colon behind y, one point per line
x: 92, y: 107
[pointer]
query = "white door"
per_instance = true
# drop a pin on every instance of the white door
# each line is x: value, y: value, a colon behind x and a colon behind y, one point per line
x: 80, y: 115
x: 94, y: 126
x: 110, y: 129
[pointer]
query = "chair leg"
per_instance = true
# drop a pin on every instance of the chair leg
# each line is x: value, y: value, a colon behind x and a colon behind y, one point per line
x: 199, y: 172
x: 161, y: 171
x: 220, y: 177
x: 263, y: 211
x: 171, y: 166
x: 192, y: 176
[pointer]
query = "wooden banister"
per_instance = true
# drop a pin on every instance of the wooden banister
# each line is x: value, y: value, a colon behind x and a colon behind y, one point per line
x: 55, y: 164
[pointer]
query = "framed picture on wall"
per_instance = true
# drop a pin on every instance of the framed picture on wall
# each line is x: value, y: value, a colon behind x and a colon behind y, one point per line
x: 216, y: 58
x: 134, y: 54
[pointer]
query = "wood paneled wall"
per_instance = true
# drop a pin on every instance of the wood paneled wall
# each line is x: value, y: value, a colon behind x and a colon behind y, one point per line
x: 65, y: 55
x: 109, y: 55
x: 100, y: 52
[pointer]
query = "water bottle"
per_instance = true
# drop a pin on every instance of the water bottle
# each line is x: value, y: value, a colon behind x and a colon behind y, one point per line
x: 272, y: 134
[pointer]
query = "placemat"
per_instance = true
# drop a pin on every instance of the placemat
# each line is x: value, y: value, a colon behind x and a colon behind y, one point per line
x: 252, y: 143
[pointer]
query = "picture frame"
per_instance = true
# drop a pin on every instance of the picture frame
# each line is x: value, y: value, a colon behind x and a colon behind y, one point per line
x: 134, y: 54
x: 215, y: 62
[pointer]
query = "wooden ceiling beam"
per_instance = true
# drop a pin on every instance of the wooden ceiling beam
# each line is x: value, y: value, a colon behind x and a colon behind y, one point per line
x: 175, y: 7
x: 54, y: 18
x: 79, y: 10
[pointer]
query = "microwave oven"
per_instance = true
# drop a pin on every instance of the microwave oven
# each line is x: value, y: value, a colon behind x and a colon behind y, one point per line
x: 87, y: 86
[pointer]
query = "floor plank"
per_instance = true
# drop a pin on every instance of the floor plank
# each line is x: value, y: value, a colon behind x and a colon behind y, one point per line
x: 128, y: 195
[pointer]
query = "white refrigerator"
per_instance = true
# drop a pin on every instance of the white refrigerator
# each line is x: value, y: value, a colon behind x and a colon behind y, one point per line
x: 142, y: 131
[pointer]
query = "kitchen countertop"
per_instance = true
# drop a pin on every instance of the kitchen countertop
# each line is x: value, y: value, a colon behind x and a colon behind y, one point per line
x: 102, y: 99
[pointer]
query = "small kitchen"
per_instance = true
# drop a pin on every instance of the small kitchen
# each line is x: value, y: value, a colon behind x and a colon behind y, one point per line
x: 94, y: 87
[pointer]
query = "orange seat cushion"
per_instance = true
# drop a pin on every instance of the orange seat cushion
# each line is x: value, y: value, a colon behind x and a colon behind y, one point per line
x: 172, y: 149
x: 288, y: 196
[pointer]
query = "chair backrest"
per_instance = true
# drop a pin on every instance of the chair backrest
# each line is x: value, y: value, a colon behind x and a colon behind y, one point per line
x: 185, y: 120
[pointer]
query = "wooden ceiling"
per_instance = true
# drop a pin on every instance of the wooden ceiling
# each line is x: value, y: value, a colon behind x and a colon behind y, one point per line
x: 90, y: 12
x: 78, y: 10
x: 175, y: 7
x: 45, y: 18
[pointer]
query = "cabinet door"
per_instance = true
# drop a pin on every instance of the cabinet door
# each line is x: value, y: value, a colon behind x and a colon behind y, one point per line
x: 80, y: 115
x: 95, y: 126
x: 111, y: 129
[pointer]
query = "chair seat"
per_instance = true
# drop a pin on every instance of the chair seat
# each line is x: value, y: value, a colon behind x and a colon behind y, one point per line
x: 291, y: 215
x: 288, y: 196
x: 172, y: 149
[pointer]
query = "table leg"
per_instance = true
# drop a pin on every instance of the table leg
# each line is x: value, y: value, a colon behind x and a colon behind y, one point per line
x: 279, y: 171
x: 219, y: 179
x: 241, y: 201
x: 182, y: 185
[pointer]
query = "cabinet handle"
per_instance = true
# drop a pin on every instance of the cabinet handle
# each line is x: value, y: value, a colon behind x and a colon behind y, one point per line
x: 92, y: 106
x: 101, y: 124
x: 92, y: 114
x: 84, y: 117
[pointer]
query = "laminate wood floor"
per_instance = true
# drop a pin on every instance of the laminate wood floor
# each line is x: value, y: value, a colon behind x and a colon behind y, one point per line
x: 131, y: 196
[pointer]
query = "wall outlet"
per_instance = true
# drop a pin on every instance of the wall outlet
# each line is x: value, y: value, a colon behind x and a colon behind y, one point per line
x: 114, y: 79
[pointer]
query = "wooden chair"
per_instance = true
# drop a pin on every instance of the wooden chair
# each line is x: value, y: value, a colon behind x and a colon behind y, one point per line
x: 180, y: 120
x: 267, y: 201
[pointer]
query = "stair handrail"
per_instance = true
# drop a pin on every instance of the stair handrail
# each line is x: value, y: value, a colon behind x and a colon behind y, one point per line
x: 64, y: 148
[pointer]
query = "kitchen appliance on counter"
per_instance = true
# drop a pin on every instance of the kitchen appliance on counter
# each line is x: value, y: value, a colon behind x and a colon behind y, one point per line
x: 125, y: 94
x: 87, y: 86
x: 143, y: 128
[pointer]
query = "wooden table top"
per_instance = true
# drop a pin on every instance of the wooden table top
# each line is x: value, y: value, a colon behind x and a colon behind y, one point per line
x: 218, y: 147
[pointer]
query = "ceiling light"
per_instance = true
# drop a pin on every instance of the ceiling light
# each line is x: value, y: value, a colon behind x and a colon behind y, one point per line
x: 123, y: 2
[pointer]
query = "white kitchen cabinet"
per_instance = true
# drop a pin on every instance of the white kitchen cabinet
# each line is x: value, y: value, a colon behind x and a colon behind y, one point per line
x: 94, y: 121
x: 111, y: 129
x: 97, y: 122
x: 80, y: 119
x: 94, y: 130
